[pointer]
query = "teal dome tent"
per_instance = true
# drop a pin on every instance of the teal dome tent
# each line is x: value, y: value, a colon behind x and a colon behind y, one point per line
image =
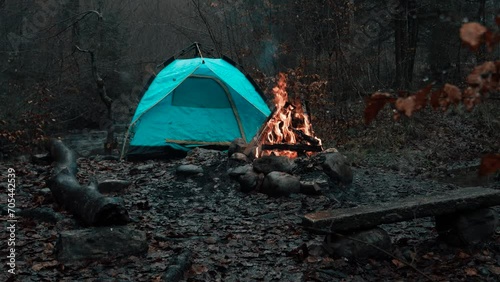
x: 195, y: 102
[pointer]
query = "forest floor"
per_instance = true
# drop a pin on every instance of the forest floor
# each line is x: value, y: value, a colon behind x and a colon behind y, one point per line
x: 235, y: 236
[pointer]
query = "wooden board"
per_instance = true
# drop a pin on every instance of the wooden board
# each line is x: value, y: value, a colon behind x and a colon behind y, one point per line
x: 363, y: 217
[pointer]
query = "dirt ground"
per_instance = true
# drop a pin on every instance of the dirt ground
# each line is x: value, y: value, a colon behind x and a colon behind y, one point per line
x: 235, y: 236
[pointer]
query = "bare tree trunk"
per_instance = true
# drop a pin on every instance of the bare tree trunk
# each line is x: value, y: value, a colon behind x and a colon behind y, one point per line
x: 406, y: 36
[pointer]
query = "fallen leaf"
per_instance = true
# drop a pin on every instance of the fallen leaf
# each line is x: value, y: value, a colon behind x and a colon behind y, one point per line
x: 199, y: 269
x: 463, y: 255
x: 398, y: 263
x: 429, y: 255
x: 494, y: 269
x: 472, y: 33
x: 469, y: 271
x: 45, y: 264
x: 313, y: 259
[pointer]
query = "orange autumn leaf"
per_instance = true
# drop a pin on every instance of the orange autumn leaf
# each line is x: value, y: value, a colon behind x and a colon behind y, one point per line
x: 472, y: 33
x: 475, y: 78
x: 489, y: 164
x: 421, y: 97
x: 46, y: 264
x: 439, y: 99
x: 491, y: 39
x: 406, y: 105
x: 199, y: 269
x: 375, y: 103
x: 469, y: 271
x: 471, y: 98
x: 454, y: 94
x: 398, y: 263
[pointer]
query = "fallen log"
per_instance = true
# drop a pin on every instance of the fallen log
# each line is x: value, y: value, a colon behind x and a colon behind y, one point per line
x: 85, y: 202
x: 365, y: 217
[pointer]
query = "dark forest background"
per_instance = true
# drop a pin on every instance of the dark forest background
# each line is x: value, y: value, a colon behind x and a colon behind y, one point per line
x: 338, y: 52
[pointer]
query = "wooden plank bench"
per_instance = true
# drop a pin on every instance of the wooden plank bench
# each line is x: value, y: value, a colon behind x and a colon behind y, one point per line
x: 365, y: 217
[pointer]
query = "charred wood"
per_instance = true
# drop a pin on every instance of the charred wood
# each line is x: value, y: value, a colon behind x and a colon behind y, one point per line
x: 292, y: 147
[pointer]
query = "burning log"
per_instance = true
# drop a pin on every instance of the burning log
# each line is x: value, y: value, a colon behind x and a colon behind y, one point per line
x: 310, y: 139
x: 302, y: 148
x: 288, y: 131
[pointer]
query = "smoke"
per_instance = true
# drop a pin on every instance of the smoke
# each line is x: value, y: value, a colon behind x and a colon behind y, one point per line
x: 267, y: 58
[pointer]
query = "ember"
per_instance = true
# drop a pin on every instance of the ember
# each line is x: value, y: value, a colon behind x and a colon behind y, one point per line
x: 289, y: 130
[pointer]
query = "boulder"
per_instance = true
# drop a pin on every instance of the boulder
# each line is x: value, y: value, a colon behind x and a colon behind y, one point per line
x: 240, y: 170
x: 188, y: 169
x: 278, y: 183
x: 97, y: 243
x: 267, y: 164
x: 239, y: 157
x: 343, y: 246
x: 310, y: 188
x: 336, y: 167
x: 249, y: 181
x: 467, y: 228
x: 318, y: 177
x: 237, y: 146
x: 141, y: 169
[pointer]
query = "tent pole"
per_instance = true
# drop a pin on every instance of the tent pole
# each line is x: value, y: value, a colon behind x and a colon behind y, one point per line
x: 199, y: 51
x: 124, y: 143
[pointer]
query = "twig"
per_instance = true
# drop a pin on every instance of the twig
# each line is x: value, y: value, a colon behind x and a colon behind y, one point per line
x: 322, y: 231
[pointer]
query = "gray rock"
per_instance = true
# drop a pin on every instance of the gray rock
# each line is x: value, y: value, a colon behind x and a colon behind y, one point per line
x: 467, y: 228
x: 141, y: 168
x: 239, y: 157
x: 340, y: 246
x: 310, y: 188
x: 112, y: 185
x: 240, y: 170
x: 267, y: 164
x: 97, y: 243
x: 189, y: 169
x: 249, y: 181
x: 237, y: 146
x: 45, y: 191
x: 319, y: 177
x: 336, y: 167
x: 278, y: 183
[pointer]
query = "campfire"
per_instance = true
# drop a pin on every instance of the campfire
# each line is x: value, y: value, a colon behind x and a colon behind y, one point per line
x: 288, y: 131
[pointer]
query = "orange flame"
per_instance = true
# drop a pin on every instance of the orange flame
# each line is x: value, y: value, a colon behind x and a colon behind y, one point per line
x: 287, y: 121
